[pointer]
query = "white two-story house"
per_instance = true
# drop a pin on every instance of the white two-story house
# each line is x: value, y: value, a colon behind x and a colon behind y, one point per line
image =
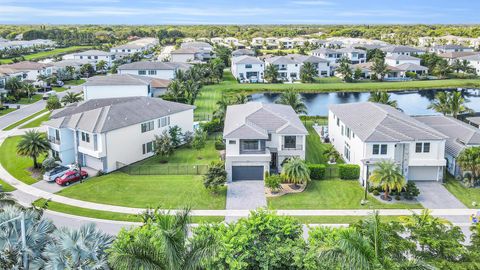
x: 95, y: 56
x: 31, y: 69
x: 402, y: 50
x: 107, y: 134
x: 159, y: 70
x: 321, y: 65
x: 259, y: 138
x: 355, y: 56
x: 365, y: 133
x: 288, y: 68
x: 247, y: 68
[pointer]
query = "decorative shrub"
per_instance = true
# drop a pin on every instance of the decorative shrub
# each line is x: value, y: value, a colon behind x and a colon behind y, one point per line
x: 348, y: 171
x: 213, y: 126
x: 219, y: 144
x: 49, y: 163
x: 273, y: 182
x: 216, y: 177
x: 411, y: 191
x: 397, y: 198
x: 376, y: 192
x: 317, y: 171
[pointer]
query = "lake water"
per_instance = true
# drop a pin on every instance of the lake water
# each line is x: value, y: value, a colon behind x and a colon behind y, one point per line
x: 411, y: 102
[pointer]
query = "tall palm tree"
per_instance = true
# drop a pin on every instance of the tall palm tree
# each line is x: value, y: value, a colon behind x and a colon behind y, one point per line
x: 457, y: 65
x: 271, y: 74
x: 308, y: 72
x: 382, y: 97
x: 161, y: 243
x: 442, y: 68
x: 71, y: 71
x: 71, y: 97
x: 222, y: 105
x: 469, y: 160
x: 295, y: 170
x: 33, y: 144
x: 175, y: 89
x: 450, y: 103
x: 441, y: 103
x: 388, y: 176
x: 84, y: 248
x: 345, y: 70
x: 294, y: 100
x: 191, y: 90
x: 379, y: 68
x: 101, y: 66
x: 29, y: 89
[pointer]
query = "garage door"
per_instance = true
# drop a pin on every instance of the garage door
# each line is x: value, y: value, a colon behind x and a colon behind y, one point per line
x: 247, y: 173
x: 94, y: 163
x: 422, y: 173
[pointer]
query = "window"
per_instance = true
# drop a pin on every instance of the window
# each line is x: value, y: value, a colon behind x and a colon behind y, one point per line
x: 383, y: 149
x: 95, y: 143
x: 152, y: 72
x: 418, y: 147
x: 96, y: 57
x: 55, y: 154
x: 142, y: 72
x: 248, y: 66
x: 232, y: 142
x: 347, y: 132
x: 376, y: 149
x: 147, y: 147
x: 342, y: 130
x: 164, y: 121
x: 290, y: 141
x: 250, y: 145
x: 85, y: 137
x: 57, y: 134
x: 426, y: 147
x: 346, y: 151
x: 269, y: 136
x: 338, y: 121
x: 422, y: 147
x: 379, y: 149
x: 147, y: 126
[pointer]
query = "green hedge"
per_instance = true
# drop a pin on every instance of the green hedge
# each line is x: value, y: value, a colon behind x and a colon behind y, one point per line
x: 348, y: 171
x: 317, y: 171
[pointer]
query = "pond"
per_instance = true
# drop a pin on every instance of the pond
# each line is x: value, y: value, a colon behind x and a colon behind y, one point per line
x: 411, y: 102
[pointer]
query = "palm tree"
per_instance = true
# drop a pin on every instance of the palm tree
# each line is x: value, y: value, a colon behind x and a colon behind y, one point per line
x: 331, y: 154
x: 161, y: 243
x: 33, y: 144
x: 466, y: 67
x: 440, y: 103
x: 379, y: 68
x: 71, y: 71
x: 308, y: 72
x: 6, y: 199
x: 469, y: 161
x: 84, y: 248
x: 442, y: 68
x: 383, y: 98
x: 175, y: 89
x: 388, y: 176
x: 191, y: 90
x: 101, y: 66
x: 271, y: 74
x: 71, y: 97
x: 294, y: 100
x: 296, y: 171
x: 345, y: 70
x: 450, y: 103
x: 222, y: 105
x: 29, y: 89
x: 240, y: 98
x: 457, y: 65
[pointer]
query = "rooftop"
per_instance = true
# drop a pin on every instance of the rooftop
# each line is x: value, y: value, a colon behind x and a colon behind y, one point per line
x: 401, y: 48
x: 119, y: 79
x: 93, y: 52
x: 157, y: 65
x: 246, y: 59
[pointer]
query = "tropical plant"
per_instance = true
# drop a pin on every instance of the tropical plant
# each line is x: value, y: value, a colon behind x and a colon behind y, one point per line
x: 163, y: 145
x: 191, y: 90
x: 33, y: 144
x: 71, y: 97
x: 273, y: 182
x: 379, y: 69
x: 388, y: 176
x: 296, y: 171
x: 101, y: 66
x: 469, y: 160
x: 87, y: 70
x: 161, y: 243
x: 294, y: 100
x: 199, y: 138
x: 240, y: 98
x: 383, y: 98
x: 441, y: 69
x: 6, y: 199
x: 357, y: 74
x: 345, y: 70
x: 216, y: 177
x: 331, y: 154
x: 271, y: 74
x: 222, y: 105
x: 450, y: 103
x: 53, y: 103
x: 175, y: 134
x: 49, y: 163
x: 84, y: 248
x: 29, y: 89
x: 308, y: 73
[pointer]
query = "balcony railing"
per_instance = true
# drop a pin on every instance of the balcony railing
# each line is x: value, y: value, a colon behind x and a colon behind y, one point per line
x: 53, y: 140
x: 292, y: 147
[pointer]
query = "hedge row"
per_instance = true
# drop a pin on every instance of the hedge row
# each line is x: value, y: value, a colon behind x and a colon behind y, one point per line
x: 317, y: 171
x: 345, y: 171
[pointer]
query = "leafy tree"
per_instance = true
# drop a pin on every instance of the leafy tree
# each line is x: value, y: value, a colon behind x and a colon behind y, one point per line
x: 215, y: 177
x: 199, y: 139
x: 441, y: 69
x: 188, y: 138
x: 84, y: 248
x: 53, y: 103
x: 379, y: 69
x: 357, y: 74
x: 163, y: 145
x: 224, y: 54
x: 308, y: 73
x: 375, y: 53
x: 331, y: 154
x: 388, y: 176
x: 469, y: 160
x: 175, y: 133
x: 450, y: 103
x: 87, y: 70
x: 296, y: 171
x: 101, y: 66
x: 271, y: 74
x: 33, y: 144
x: 71, y: 97
x: 294, y: 100
x: 383, y: 98
x: 345, y: 70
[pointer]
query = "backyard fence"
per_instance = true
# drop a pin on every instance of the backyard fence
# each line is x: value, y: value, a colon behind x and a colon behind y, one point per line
x: 176, y: 169
x: 331, y: 172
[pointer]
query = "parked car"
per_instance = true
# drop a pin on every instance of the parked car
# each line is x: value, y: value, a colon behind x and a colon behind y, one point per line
x: 55, y: 172
x: 49, y: 94
x: 71, y: 177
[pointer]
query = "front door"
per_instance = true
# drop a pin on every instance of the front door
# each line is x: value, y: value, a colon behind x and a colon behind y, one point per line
x: 274, y: 160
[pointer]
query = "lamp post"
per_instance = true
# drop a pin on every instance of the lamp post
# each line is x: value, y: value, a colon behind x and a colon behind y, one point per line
x: 23, y: 237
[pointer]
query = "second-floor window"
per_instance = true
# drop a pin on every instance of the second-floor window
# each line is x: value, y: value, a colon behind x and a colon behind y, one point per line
x: 152, y: 72
x: 147, y: 148
x: 147, y: 126
x: 250, y: 145
x: 289, y: 141
x: 379, y: 149
x: 338, y: 121
x: 248, y: 66
x: 85, y: 137
x: 164, y: 121
x: 422, y: 147
x: 142, y: 72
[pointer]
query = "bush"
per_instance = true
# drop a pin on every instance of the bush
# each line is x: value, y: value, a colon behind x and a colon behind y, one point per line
x: 216, y: 176
x: 348, y: 171
x: 219, y: 144
x: 273, y: 182
x: 49, y: 163
x: 199, y: 139
x: 376, y: 192
x: 397, y: 198
x: 213, y: 126
x: 317, y: 171
x: 411, y: 191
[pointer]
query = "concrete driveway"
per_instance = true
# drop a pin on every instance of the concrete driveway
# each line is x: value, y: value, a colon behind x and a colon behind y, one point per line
x: 433, y: 195
x: 245, y: 195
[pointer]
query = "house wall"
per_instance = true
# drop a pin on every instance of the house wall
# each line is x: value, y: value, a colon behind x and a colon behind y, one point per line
x: 238, y: 69
x: 110, y: 91
x: 166, y: 74
x: 287, y: 70
x: 94, y: 59
x: 394, y: 62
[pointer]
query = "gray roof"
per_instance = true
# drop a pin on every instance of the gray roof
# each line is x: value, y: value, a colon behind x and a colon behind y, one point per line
x: 196, y: 44
x: 475, y: 57
x: 71, y: 63
x: 240, y: 52
x: 186, y: 51
x: 401, y: 57
x: 401, y: 48
x: 411, y: 67
x: 245, y: 59
x: 475, y: 120
x: 254, y: 120
x: 103, y: 115
x: 281, y: 60
x: 351, y: 50
x: 460, y: 134
x: 374, y: 122
x: 128, y: 46
x: 93, y: 52
x: 307, y: 58
x: 324, y: 51
x: 154, y: 66
x: 451, y: 47
x: 454, y: 55
x: 119, y: 79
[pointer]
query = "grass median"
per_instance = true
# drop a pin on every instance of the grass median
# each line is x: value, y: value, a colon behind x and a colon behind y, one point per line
x: 24, y: 120
x: 37, y: 122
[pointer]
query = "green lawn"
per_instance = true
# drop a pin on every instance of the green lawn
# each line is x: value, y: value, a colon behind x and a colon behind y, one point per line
x: 466, y: 195
x: 74, y: 82
x: 315, y: 147
x: 47, y: 54
x: 339, y: 219
x: 30, y: 100
x: 85, y: 212
x: 165, y: 191
x: 331, y: 194
x: 16, y: 165
x: 37, y: 122
x: 6, y: 187
x: 6, y: 111
x: 59, y: 89
x: 20, y: 122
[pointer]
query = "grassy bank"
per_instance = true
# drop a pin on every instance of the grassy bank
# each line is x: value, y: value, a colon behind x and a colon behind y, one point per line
x: 18, y: 166
x: 466, y: 195
x: 37, y: 122
x: 6, y: 111
x: 6, y: 187
x: 22, y: 121
x: 47, y: 54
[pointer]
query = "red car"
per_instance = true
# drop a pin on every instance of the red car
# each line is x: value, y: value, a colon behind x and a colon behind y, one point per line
x: 71, y: 177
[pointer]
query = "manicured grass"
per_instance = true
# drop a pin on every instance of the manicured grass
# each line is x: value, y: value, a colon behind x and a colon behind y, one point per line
x: 85, y: 212
x: 75, y: 82
x: 331, y: 194
x: 6, y: 111
x: 17, y: 166
x: 272, y: 51
x: 59, y: 89
x: 165, y: 191
x: 46, y: 54
x: 30, y: 100
x: 20, y: 122
x: 466, y: 195
x: 340, y: 219
x: 6, y: 187
x: 315, y: 147
x: 37, y: 122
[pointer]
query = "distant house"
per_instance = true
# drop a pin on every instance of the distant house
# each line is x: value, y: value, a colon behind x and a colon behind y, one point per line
x: 107, y: 134
x: 355, y: 56
x: 393, y: 72
x: 272, y: 43
x: 123, y: 85
x: 8, y: 73
x: 401, y: 50
x: 288, y: 68
x: 247, y: 68
x: 192, y: 52
x: 473, y: 61
x: 399, y: 59
x: 331, y: 55
x: 95, y: 56
x: 460, y: 136
x: 257, y: 42
x: 31, y: 69
x: 160, y: 70
x: 286, y: 43
x: 321, y: 65
x: 63, y: 64
x: 450, y: 48
x: 242, y: 52
x: 137, y: 46
x: 452, y: 56
x: 365, y: 133
x: 259, y: 138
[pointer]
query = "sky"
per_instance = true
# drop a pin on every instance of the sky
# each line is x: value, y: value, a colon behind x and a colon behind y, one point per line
x: 239, y: 12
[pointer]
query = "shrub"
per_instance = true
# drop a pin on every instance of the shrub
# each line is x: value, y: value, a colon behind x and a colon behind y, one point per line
x: 199, y: 139
x: 348, y: 171
x: 213, y: 126
x: 411, y: 191
x: 219, y: 144
x: 215, y: 177
x: 188, y: 138
x: 273, y: 182
x: 49, y: 163
x: 295, y: 171
x: 317, y: 171
x: 376, y: 192
x: 397, y: 198
x: 175, y: 133
x: 53, y: 103
x: 163, y: 145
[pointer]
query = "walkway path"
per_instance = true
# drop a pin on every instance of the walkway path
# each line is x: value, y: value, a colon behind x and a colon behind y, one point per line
x: 245, y: 195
